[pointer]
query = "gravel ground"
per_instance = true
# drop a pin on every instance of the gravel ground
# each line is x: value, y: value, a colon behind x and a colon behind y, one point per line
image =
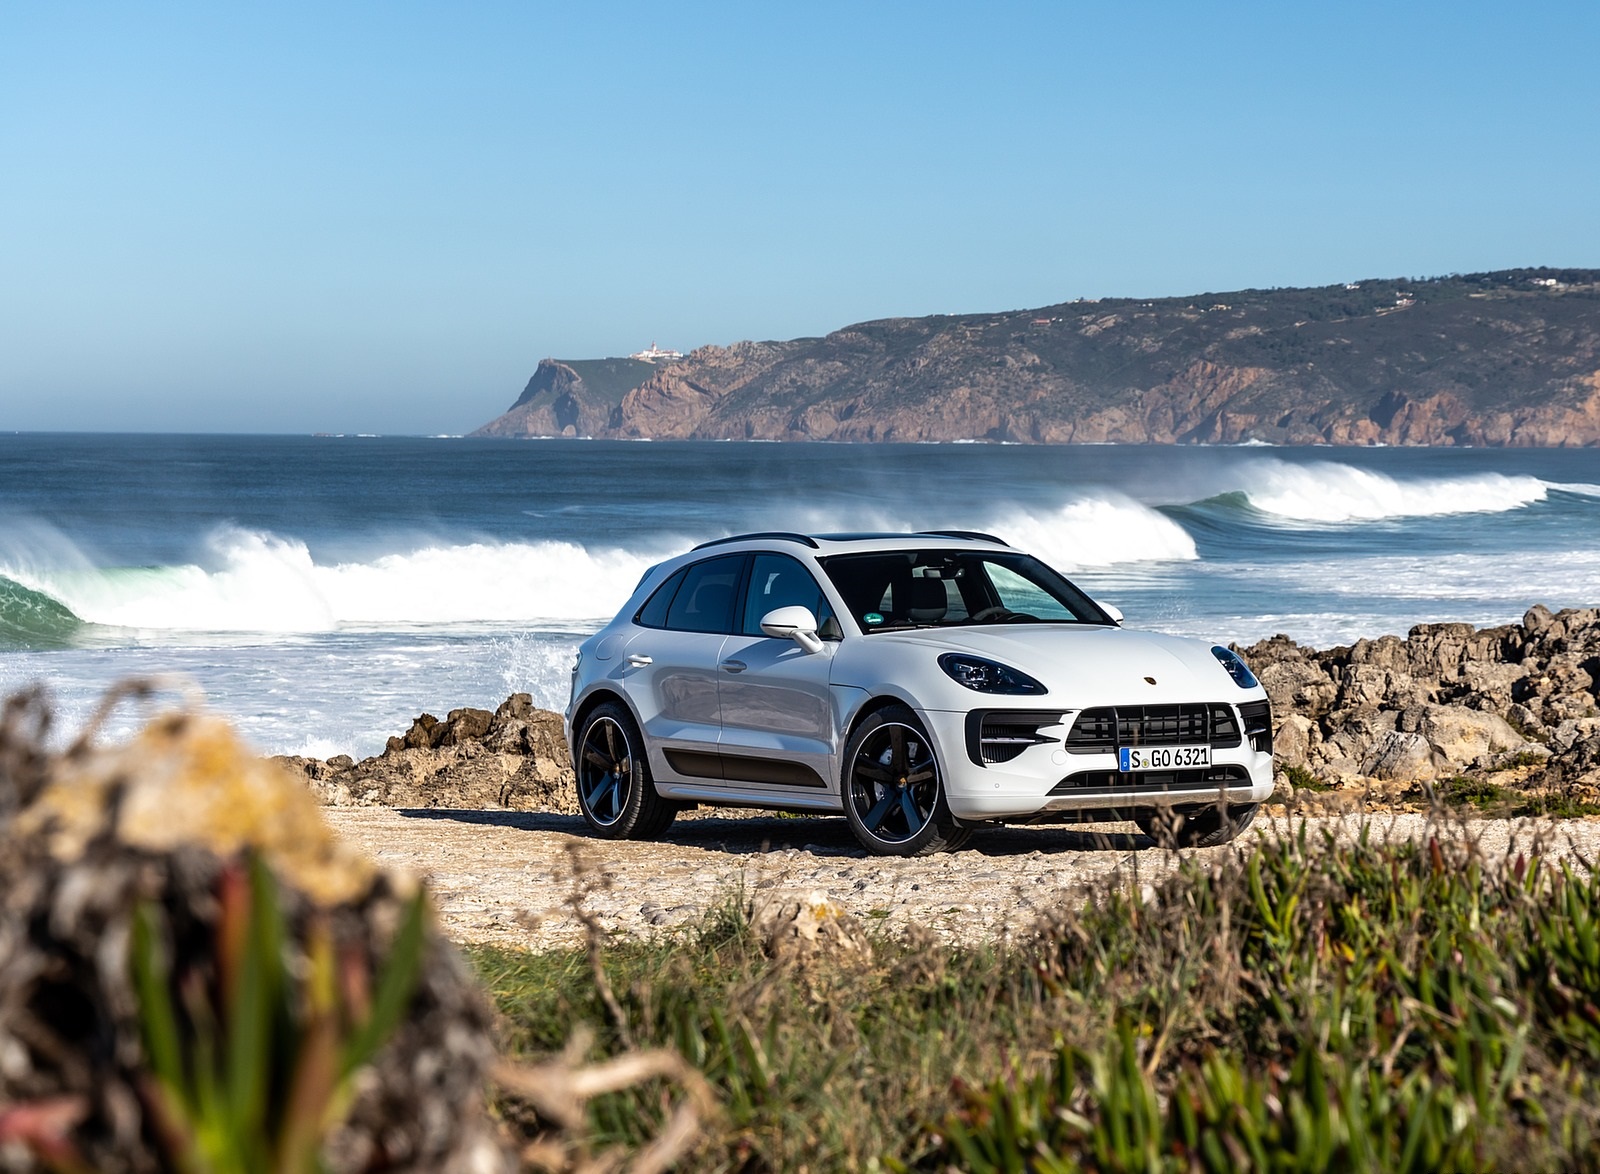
x: 508, y: 877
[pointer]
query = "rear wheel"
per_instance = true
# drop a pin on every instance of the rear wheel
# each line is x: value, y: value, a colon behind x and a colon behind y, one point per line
x: 615, y: 791
x: 1217, y: 824
x: 893, y: 789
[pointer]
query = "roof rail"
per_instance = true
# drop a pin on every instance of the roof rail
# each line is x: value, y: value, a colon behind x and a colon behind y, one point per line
x: 806, y: 539
x: 973, y: 535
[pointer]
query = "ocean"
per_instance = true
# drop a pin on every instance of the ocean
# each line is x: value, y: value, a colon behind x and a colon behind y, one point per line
x: 322, y: 591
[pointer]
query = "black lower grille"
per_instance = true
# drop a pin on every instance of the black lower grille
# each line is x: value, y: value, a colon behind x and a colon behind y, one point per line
x: 999, y: 735
x: 1194, y: 779
x: 1104, y: 729
x: 1257, y: 717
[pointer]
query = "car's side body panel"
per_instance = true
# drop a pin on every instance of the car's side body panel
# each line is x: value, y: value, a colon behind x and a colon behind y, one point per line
x: 670, y: 681
x: 777, y: 704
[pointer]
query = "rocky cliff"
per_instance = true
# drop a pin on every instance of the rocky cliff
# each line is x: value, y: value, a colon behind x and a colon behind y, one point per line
x: 1505, y: 358
x: 576, y: 398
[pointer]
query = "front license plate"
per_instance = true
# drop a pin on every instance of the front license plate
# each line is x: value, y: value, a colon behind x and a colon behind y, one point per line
x: 1131, y: 758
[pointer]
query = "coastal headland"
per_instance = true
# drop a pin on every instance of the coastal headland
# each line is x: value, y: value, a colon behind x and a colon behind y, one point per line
x: 1508, y: 358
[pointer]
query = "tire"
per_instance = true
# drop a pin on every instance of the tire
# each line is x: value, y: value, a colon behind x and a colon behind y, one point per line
x: 615, y: 791
x: 893, y: 789
x: 1203, y: 829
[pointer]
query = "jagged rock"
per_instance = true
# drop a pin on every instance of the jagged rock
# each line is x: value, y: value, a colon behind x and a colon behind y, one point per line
x: 1297, y: 686
x: 1296, y: 735
x: 1399, y: 755
x: 1526, y: 722
x: 514, y: 757
x: 1566, y: 736
x: 1580, y: 762
x: 422, y: 735
x: 1491, y: 685
x: 466, y: 725
x: 1466, y: 737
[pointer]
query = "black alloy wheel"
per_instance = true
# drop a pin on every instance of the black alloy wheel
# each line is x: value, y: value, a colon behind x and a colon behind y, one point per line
x: 615, y: 791
x: 893, y: 790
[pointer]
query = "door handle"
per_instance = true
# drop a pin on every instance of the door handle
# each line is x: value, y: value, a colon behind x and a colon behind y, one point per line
x: 638, y: 661
x: 734, y: 666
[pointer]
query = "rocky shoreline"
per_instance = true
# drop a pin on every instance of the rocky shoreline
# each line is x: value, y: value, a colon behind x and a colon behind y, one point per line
x: 1447, y: 701
x: 1386, y: 720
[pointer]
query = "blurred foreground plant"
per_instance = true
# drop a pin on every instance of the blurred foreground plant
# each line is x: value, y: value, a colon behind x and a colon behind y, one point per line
x: 251, y: 1065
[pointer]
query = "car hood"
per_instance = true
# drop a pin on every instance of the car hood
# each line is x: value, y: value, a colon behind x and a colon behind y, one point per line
x: 1089, y: 665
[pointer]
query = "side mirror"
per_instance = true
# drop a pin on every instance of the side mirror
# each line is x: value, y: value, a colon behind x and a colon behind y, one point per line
x: 1113, y: 611
x: 793, y: 623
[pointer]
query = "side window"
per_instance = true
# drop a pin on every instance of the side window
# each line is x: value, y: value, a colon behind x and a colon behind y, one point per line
x: 705, y: 599
x: 654, y: 613
x: 776, y: 580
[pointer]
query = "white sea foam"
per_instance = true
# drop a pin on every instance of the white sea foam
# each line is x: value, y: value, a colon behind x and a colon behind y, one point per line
x: 1102, y: 530
x: 259, y: 582
x: 1575, y: 487
x: 1326, y: 491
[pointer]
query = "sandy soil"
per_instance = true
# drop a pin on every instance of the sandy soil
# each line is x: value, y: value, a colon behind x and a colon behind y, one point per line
x: 508, y: 877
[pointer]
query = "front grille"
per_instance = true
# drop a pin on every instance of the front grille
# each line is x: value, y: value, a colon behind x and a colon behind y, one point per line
x: 1257, y: 717
x: 1106, y: 728
x: 1193, y: 779
x: 999, y: 735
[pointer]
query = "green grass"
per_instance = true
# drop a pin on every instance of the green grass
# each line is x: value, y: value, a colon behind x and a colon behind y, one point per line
x: 611, y: 379
x: 1493, y: 799
x: 1302, y: 779
x: 1462, y: 791
x: 1305, y: 1005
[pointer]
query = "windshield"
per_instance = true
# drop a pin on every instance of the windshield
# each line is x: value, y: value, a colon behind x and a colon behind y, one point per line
x: 948, y: 588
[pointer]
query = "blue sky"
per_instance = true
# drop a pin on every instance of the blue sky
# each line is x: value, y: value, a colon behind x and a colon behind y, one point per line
x: 380, y: 217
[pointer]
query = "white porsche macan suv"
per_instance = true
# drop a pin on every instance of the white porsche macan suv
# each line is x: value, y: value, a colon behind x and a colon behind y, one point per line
x: 921, y: 684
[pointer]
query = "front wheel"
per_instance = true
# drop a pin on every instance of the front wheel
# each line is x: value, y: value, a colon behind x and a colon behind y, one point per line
x: 615, y: 791
x: 1215, y: 825
x: 893, y: 790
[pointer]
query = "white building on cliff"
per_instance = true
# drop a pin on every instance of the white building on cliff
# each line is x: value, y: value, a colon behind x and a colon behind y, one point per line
x: 656, y: 355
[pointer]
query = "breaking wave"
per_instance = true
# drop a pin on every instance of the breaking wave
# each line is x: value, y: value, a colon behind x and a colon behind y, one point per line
x: 32, y: 619
x: 1096, y: 532
x: 258, y: 582
x: 1106, y: 529
x: 1327, y: 491
x: 252, y: 581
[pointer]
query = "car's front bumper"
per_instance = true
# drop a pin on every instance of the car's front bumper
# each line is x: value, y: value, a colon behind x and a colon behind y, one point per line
x: 1040, y: 780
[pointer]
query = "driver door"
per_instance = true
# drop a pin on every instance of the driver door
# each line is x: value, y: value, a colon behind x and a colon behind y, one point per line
x: 778, y: 720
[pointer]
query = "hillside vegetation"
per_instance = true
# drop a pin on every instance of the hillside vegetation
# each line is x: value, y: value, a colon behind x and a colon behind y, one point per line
x: 1504, y: 358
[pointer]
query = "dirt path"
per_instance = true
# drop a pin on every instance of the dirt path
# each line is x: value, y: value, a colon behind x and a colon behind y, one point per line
x: 505, y: 877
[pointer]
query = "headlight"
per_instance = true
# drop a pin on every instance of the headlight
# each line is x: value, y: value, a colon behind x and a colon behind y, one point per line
x: 1237, y: 669
x: 987, y: 676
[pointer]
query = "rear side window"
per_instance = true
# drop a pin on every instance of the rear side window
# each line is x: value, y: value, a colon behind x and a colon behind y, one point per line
x: 654, y: 613
x: 705, y: 599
